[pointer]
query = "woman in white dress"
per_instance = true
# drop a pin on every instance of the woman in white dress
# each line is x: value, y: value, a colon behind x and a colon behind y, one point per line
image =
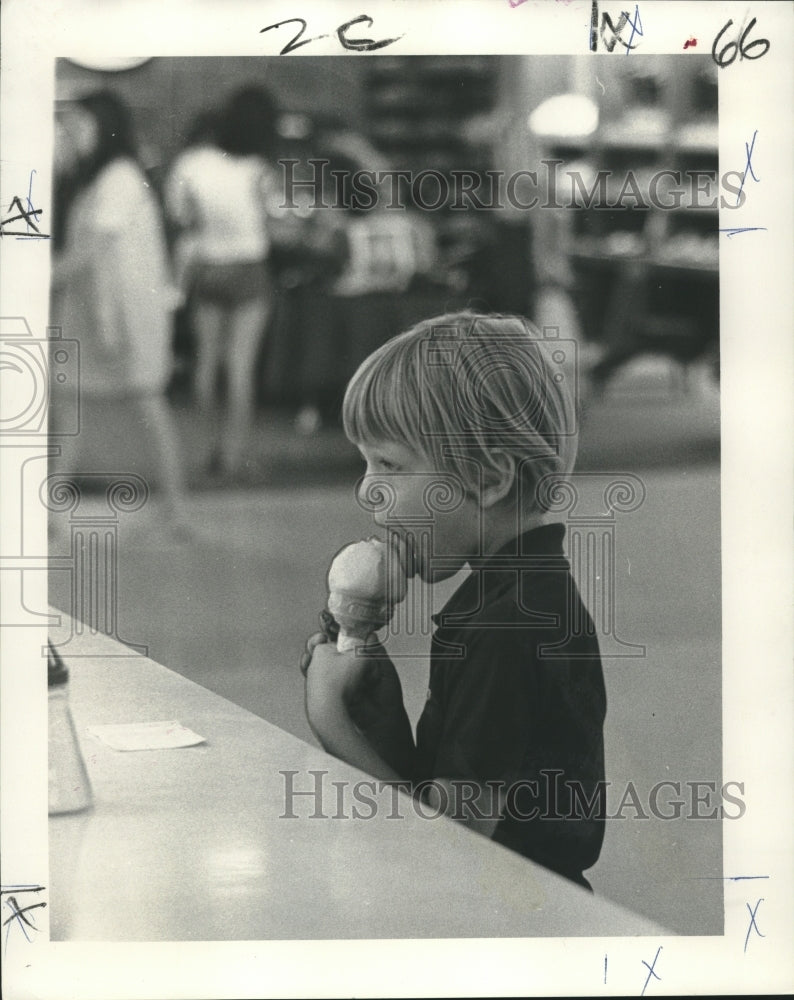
x: 111, y: 284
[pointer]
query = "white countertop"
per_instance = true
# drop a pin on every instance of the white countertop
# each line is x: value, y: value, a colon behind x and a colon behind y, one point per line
x: 193, y: 843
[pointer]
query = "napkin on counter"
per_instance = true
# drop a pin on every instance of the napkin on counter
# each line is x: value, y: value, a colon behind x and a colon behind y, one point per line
x: 146, y: 736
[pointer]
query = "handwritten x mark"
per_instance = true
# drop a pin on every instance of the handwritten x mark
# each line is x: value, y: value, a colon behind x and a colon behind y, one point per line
x: 651, y: 971
x: 18, y: 915
x: 752, y: 923
x: 28, y: 214
x: 748, y: 148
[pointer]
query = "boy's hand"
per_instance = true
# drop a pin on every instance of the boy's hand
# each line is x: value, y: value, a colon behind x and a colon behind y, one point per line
x: 327, y: 670
x: 311, y: 644
x: 369, y: 688
x: 367, y: 683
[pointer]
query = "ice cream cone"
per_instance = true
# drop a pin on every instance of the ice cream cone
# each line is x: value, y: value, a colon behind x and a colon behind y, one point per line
x: 364, y: 583
x: 357, y: 617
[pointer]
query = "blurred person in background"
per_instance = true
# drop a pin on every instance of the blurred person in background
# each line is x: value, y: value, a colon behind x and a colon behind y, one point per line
x: 308, y: 252
x: 382, y: 254
x: 200, y: 148
x: 220, y: 198
x: 199, y: 139
x: 111, y: 285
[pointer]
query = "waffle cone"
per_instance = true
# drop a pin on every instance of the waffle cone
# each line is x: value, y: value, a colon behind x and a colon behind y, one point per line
x: 357, y: 616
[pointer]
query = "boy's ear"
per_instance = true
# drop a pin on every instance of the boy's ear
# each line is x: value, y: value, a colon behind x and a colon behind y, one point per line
x: 502, y: 484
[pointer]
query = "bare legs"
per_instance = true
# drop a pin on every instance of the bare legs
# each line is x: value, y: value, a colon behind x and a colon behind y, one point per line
x: 158, y: 423
x: 229, y: 337
x: 208, y: 326
x: 150, y: 418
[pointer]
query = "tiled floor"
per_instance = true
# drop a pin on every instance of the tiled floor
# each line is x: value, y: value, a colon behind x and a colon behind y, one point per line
x: 231, y: 608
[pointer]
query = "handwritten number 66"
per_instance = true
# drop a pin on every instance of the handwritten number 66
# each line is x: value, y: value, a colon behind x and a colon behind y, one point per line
x: 723, y: 59
x: 352, y: 44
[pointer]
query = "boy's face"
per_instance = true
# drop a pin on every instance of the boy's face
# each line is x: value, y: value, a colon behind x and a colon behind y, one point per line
x: 421, y: 507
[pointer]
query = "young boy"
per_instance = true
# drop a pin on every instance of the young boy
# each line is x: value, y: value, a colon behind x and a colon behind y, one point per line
x: 467, y: 429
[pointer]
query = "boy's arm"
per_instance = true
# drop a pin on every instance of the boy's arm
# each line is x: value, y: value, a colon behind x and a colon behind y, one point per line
x: 341, y: 687
x: 333, y: 727
x: 475, y: 805
x: 355, y: 708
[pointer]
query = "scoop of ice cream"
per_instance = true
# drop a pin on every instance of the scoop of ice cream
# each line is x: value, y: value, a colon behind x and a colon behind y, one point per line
x: 369, y: 569
x: 365, y: 581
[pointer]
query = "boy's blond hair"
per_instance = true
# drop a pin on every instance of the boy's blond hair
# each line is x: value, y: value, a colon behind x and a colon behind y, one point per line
x: 461, y: 387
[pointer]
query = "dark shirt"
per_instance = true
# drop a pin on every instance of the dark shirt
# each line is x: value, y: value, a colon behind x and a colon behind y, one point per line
x: 517, y: 696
